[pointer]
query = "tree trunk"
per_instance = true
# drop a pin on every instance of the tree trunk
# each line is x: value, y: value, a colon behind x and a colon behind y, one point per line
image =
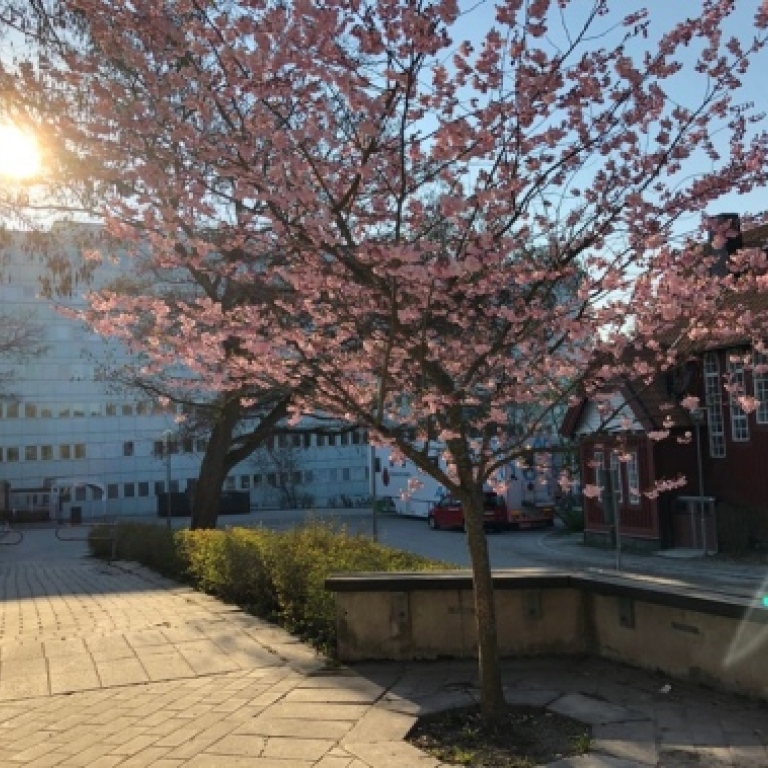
x: 491, y: 691
x: 214, y: 467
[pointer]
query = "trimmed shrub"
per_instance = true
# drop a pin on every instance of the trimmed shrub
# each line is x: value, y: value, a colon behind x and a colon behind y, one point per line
x: 278, y: 576
x: 150, y: 545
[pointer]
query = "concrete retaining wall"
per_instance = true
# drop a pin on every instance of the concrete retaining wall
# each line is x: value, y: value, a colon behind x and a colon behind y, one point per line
x: 685, y: 633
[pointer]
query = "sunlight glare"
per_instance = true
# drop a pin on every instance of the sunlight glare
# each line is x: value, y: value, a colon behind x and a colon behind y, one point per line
x: 19, y: 155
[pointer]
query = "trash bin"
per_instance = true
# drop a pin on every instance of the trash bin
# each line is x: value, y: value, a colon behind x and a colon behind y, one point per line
x: 75, y: 515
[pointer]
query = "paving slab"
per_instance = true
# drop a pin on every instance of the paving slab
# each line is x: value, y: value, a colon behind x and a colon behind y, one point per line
x: 159, y: 676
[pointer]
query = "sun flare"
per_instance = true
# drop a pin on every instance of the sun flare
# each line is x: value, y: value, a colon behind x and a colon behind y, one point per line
x: 19, y: 155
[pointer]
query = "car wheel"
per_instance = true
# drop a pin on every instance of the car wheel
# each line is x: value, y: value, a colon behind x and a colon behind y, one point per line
x: 432, y: 523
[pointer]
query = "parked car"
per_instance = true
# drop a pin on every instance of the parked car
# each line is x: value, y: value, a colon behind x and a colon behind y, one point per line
x: 447, y: 513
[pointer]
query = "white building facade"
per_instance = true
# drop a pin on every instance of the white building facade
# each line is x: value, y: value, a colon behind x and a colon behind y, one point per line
x: 59, y: 423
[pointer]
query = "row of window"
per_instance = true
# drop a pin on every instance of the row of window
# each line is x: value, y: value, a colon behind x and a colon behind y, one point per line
x: 737, y: 386
x: 188, y: 445
x: 297, y: 477
x: 18, y: 410
x: 624, y: 476
x: 242, y: 482
x: 14, y: 453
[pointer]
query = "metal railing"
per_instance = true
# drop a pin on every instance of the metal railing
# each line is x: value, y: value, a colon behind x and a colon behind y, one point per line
x: 65, y: 531
x: 9, y: 537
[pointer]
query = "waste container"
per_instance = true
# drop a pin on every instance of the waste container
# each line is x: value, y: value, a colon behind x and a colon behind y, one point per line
x: 75, y: 515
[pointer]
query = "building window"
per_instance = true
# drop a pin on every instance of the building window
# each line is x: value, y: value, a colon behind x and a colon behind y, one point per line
x: 129, y: 490
x: 46, y: 452
x: 11, y: 454
x: 200, y: 445
x: 633, y: 480
x: 272, y: 479
x: 597, y: 463
x: 80, y: 493
x: 296, y: 477
x: 79, y: 450
x: 356, y: 437
x: 111, y: 409
x: 344, y: 438
x: 296, y: 441
x: 320, y: 441
x: 616, y: 479
x: 30, y: 411
x: 345, y: 475
x: 112, y: 491
x: 713, y: 393
x: 128, y: 449
x: 64, y: 411
x: 46, y: 411
x: 159, y: 487
x: 307, y: 439
x: 245, y: 482
x: 12, y: 411
x: 30, y: 453
x: 760, y: 377
x: 127, y: 409
x: 143, y: 489
x: 229, y: 484
x: 256, y: 480
x: 188, y: 445
x: 331, y: 439
x: 79, y: 409
x: 65, y: 452
x: 174, y: 486
x: 739, y: 423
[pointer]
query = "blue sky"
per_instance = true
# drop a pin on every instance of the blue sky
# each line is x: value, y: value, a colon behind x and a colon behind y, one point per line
x: 479, y: 15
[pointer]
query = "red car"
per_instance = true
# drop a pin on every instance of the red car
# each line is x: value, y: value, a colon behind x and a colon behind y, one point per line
x: 447, y: 513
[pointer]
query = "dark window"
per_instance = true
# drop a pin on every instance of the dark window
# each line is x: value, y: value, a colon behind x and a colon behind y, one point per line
x: 128, y: 449
x: 112, y: 491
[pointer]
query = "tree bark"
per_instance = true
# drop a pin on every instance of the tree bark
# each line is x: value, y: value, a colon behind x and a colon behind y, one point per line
x: 491, y: 691
x: 215, y: 466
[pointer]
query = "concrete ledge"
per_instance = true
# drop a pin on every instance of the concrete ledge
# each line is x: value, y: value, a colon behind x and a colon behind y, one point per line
x: 686, y: 633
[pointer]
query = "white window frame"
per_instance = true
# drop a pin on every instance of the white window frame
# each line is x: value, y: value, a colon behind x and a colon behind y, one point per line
x: 760, y: 382
x: 598, y: 460
x: 633, y: 480
x: 736, y: 377
x: 713, y: 393
x: 618, y: 485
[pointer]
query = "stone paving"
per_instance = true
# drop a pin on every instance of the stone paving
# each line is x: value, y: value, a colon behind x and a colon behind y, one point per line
x: 105, y: 666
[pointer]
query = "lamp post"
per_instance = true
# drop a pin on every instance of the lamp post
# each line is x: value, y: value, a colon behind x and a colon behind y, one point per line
x: 374, y: 511
x: 697, y: 415
x: 168, y: 502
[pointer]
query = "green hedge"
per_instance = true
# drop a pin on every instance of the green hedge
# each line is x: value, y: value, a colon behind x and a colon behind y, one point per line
x: 278, y: 576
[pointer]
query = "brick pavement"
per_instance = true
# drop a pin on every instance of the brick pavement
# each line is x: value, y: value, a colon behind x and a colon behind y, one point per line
x: 105, y: 666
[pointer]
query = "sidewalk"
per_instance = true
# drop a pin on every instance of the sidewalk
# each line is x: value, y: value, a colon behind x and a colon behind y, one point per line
x: 105, y: 666
x: 687, y: 567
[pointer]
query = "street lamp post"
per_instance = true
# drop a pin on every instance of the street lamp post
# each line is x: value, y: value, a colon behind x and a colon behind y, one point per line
x: 698, y: 419
x: 168, y: 502
x: 374, y: 510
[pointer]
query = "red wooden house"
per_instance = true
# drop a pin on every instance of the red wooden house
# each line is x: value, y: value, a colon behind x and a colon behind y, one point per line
x: 723, y: 453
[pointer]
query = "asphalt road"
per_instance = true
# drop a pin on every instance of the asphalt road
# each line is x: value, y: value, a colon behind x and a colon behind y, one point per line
x: 545, y: 548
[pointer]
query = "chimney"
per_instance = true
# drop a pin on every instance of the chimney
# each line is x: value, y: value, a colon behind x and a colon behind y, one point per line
x: 726, y: 225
